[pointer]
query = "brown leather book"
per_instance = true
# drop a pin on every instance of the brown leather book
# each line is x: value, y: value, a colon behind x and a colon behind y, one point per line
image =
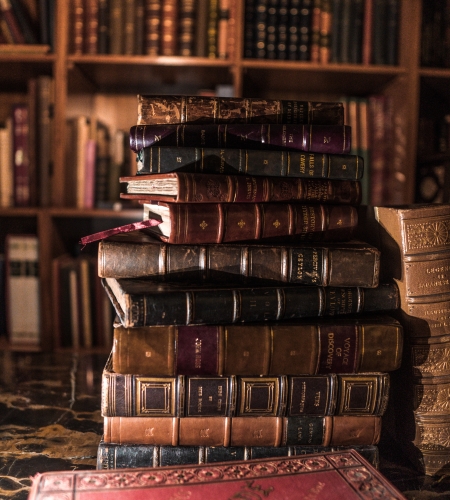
x: 310, y: 347
x: 152, y: 27
x: 243, y: 431
x: 184, y: 187
x: 129, y: 395
x: 333, y: 264
x: 415, y: 244
x: 169, y: 27
x: 90, y: 35
x: 166, y: 109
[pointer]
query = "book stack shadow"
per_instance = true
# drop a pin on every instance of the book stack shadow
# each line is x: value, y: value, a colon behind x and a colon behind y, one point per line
x: 250, y: 322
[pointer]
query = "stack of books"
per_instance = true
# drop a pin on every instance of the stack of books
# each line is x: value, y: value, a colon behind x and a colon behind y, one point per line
x: 249, y: 323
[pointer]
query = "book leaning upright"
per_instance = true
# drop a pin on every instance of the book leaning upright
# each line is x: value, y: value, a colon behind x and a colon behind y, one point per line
x: 416, y: 243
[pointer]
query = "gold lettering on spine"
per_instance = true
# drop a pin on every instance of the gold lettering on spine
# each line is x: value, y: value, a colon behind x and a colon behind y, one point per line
x: 198, y: 353
x: 330, y: 351
x: 300, y: 262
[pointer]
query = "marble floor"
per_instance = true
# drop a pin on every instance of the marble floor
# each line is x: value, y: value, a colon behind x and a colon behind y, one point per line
x: 50, y: 420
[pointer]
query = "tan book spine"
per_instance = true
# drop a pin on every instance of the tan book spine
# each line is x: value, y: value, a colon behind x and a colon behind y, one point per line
x: 242, y: 431
x: 169, y: 26
x: 258, y: 349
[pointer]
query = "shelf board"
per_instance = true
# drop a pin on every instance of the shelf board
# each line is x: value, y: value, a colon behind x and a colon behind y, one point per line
x: 435, y: 72
x: 303, y: 77
x: 96, y: 213
x: 139, y: 74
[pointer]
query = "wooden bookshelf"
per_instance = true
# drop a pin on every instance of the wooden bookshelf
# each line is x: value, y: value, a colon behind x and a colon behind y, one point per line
x: 105, y: 87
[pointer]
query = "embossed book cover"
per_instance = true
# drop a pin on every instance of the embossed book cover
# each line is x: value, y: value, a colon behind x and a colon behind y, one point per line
x: 327, y: 476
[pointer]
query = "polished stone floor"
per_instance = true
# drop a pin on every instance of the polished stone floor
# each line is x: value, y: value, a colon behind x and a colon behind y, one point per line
x: 50, y: 420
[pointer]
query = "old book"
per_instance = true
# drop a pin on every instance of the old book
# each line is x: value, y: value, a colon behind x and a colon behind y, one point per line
x: 185, y: 223
x: 243, y: 396
x: 152, y: 27
x: 175, y: 109
x: 229, y: 222
x: 315, y: 138
x: 22, y: 280
x: 415, y: 243
x: 212, y: 29
x: 90, y: 35
x: 152, y: 160
x: 349, y: 264
x: 120, y: 456
x: 183, y: 187
x: 243, y: 431
x: 143, y: 302
x: 169, y: 27
x: 186, y: 38
x: 313, y: 347
x: 342, y: 474
x: 21, y: 155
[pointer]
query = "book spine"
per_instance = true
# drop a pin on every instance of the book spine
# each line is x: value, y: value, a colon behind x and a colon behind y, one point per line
x: 222, y: 29
x: 281, y: 28
x: 315, y: 31
x: 153, y: 160
x: 176, y: 109
x: 325, y: 24
x: 116, y: 26
x: 152, y: 27
x: 204, y: 350
x: 335, y: 139
x: 230, y: 222
x: 304, y: 48
x: 129, y: 27
x: 367, y: 32
x: 205, y: 188
x: 91, y: 27
x: 295, y: 7
x: 103, y: 23
x: 355, y: 45
x: 11, y: 21
x: 217, y: 396
x: 21, y: 159
x: 243, y: 431
x: 187, y: 28
x: 212, y: 29
x: 169, y: 25
x: 139, y: 27
x: 259, y: 29
x: 303, y: 265
x: 120, y: 456
x: 266, y: 42
x: 22, y: 279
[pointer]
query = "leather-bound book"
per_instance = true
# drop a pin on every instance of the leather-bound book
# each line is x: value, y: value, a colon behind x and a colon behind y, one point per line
x: 169, y: 27
x: 91, y: 13
x: 120, y: 456
x: 334, y: 264
x: 243, y: 396
x: 314, y: 138
x: 243, y: 431
x: 186, y: 36
x: 415, y: 242
x: 333, y: 475
x: 282, y: 162
x: 183, y: 187
x: 152, y: 12
x: 188, y: 223
x: 145, y: 302
x: 304, y: 48
x: 313, y: 347
x: 166, y: 109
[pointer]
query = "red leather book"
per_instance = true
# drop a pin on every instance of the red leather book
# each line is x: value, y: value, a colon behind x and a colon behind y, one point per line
x: 329, y: 476
x: 198, y: 223
x: 182, y: 187
x: 315, y: 138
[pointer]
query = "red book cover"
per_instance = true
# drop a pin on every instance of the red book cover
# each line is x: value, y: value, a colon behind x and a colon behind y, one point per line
x: 328, y: 476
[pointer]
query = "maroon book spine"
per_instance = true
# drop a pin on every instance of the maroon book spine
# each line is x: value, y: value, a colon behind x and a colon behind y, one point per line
x: 227, y: 222
x: 205, y: 188
x: 316, y: 138
x: 21, y: 156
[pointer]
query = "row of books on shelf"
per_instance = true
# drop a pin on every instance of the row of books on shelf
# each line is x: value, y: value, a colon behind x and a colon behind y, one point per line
x: 202, y: 28
x: 323, y: 31
x: 435, y: 40
x: 27, y: 22
x: 223, y: 298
